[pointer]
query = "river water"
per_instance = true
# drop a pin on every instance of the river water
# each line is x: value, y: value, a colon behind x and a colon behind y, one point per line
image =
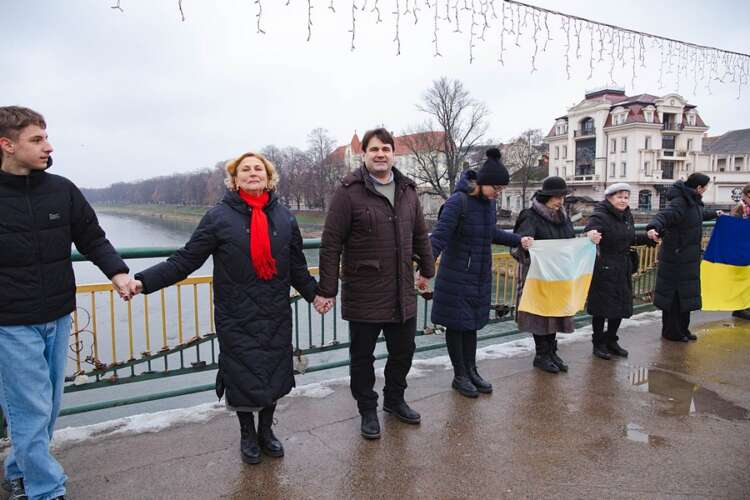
x: 137, y: 231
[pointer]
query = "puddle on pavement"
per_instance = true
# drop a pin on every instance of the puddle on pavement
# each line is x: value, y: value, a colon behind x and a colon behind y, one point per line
x: 683, y: 397
x: 635, y: 432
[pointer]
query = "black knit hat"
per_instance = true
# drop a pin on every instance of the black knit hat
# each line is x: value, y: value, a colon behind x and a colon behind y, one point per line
x: 493, y: 172
x: 554, y: 186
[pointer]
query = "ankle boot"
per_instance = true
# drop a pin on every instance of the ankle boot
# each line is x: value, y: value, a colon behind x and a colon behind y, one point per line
x: 557, y: 360
x: 600, y: 351
x: 464, y: 386
x: 249, y: 448
x: 614, y: 348
x: 270, y: 445
x: 542, y: 360
x: 481, y: 384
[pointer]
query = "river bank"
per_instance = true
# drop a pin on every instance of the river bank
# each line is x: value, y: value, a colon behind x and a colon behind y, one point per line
x: 311, y: 222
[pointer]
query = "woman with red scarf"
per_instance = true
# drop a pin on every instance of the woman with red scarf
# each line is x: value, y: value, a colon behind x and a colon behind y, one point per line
x: 256, y: 247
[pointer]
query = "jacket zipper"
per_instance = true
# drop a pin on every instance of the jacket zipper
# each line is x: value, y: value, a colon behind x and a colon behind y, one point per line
x: 35, y: 232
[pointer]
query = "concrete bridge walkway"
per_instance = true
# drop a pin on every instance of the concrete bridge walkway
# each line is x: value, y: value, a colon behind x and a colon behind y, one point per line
x: 671, y: 421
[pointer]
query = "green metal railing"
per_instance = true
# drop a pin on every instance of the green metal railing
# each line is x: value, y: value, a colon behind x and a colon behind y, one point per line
x: 313, y: 334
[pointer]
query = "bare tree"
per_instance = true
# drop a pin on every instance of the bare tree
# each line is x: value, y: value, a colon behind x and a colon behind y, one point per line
x: 325, y: 172
x: 457, y: 122
x: 521, y: 157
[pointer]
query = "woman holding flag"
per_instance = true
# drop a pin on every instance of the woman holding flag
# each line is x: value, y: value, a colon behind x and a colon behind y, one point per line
x: 545, y: 220
x: 742, y: 210
x: 611, y: 294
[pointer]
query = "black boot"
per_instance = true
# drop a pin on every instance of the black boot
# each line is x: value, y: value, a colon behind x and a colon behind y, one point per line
x: 249, y: 439
x: 370, y: 427
x: 461, y: 382
x: 542, y: 359
x: 614, y: 348
x: 600, y: 351
x: 16, y: 489
x: 402, y: 411
x: 470, y: 362
x: 270, y: 445
x: 553, y: 354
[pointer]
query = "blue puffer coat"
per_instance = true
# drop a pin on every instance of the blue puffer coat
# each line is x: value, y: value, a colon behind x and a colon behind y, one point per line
x: 463, y: 286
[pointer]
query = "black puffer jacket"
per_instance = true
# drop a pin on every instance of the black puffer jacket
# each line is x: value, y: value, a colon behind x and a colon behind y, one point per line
x: 253, y: 316
x: 680, y: 225
x: 41, y: 214
x: 611, y: 291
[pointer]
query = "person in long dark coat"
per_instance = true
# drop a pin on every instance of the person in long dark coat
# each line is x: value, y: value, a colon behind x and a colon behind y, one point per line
x: 678, y: 277
x: 742, y: 210
x: 545, y: 220
x: 611, y: 293
x: 463, y: 235
x: 257, y: 253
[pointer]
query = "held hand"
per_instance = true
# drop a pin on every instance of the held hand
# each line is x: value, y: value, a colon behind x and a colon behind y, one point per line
x: 121, y: 284
x: 421, y: 282
x: 594, y: 236
x: 136, y: 287
x: 323, y: 305
x: 653, y: 235
x: 719, y: 213
x: 526, y: 242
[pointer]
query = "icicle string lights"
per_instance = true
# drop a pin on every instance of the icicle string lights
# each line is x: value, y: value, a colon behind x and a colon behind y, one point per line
x: 607, y: 45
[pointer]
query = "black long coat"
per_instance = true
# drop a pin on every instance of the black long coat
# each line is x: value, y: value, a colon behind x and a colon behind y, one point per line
x: 680, y: 225
x: 253, y: 316
x: 611, y: 291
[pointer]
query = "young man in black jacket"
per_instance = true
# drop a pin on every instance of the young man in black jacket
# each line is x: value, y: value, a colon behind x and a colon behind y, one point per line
x: 41, y: 214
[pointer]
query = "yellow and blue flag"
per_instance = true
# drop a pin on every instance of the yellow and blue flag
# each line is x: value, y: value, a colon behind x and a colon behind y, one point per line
x: 725, y: 270
x: 558, y: 280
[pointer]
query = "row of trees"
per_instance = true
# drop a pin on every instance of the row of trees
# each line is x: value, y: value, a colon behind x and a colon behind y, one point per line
x: 308, y: 177
x: 451, y: 139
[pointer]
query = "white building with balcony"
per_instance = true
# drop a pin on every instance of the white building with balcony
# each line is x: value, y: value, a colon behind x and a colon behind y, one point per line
x: 727, y: 162
x: 645, y: 140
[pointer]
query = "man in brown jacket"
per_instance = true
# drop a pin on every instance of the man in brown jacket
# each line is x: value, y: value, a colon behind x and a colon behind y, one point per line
x: 375, y: 220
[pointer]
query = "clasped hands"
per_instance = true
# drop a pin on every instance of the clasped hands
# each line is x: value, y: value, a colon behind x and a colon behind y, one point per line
x: 125, y: 286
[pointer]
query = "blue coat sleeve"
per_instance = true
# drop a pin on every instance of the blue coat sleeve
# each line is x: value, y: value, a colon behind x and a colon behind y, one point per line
x: 506, y: 238
x: 446, y: 225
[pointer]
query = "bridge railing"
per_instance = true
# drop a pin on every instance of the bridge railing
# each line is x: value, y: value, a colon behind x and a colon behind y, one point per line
x: 172, y: 332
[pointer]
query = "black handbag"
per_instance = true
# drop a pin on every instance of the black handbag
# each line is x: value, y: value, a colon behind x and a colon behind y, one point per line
x: 635, y: 261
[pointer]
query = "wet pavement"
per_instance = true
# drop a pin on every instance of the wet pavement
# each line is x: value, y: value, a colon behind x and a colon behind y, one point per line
x: 671, y: 421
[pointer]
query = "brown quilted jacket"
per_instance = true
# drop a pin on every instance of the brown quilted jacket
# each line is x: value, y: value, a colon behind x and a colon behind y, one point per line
x: 376, y: 244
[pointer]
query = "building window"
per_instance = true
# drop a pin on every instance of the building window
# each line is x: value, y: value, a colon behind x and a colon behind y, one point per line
x: 557, y: 152
x: 565, y: 152
x: 624, y: 142
x: 649, y: 116
x: 612, y: 168
x: 738, y: 163
x: 647, y: 143
x: 565, y: 171
x: 647, y: 168
x: 721, y: 164
x: 687, y: 167
x: 557, y: 171
x: 689, y: 144
x: 613, y: 146
x: 623, y: 169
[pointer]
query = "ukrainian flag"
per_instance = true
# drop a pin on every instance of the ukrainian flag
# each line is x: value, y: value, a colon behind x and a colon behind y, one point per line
x: 725, y: 270
x: 558, y: 280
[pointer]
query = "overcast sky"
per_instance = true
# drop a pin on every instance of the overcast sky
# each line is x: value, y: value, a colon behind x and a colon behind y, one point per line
x: 139, y: 93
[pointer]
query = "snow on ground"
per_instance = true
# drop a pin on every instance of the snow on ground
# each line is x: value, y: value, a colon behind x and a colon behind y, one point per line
x: 157, y: 421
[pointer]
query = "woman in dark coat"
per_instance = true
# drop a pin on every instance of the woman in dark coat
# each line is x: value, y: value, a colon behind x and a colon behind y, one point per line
x: 464, y: 234
x: 742, y: 210
x: 545, y: 220
x: 678, y: 277
x: 257, y: 253
x: 611, y: 292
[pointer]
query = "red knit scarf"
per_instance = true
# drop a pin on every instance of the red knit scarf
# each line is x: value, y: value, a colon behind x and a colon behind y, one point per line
x: 260, y: 244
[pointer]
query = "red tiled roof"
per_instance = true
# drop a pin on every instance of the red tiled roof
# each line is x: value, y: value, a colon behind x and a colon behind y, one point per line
x: 337, y: 155
x: 420, y: 141
x: 356, y: 144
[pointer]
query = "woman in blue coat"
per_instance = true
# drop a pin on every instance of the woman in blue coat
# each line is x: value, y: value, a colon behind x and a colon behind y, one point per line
x: 464, y: 234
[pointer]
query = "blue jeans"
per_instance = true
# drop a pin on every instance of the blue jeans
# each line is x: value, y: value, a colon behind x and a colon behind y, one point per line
x: 32, y: 375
